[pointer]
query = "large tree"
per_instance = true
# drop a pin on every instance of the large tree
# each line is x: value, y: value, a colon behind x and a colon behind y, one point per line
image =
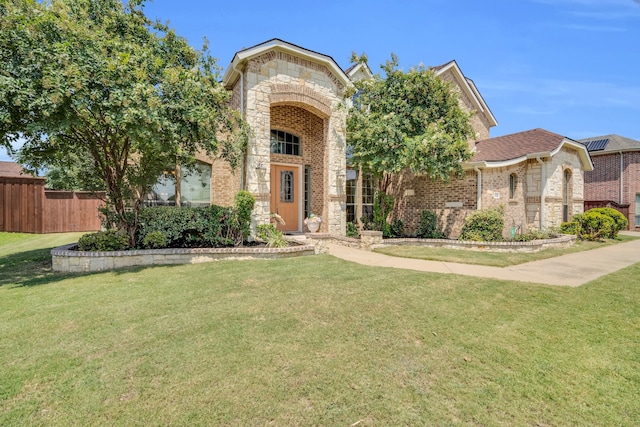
x: 407, y: 121
x: 98, y: 80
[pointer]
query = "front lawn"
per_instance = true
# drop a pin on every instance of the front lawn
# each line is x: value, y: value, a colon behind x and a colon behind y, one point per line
x: 311, y: 341
x: 495, y: 259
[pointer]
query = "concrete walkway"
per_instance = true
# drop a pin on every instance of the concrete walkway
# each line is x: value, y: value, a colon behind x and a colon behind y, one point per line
x: 567, y: 270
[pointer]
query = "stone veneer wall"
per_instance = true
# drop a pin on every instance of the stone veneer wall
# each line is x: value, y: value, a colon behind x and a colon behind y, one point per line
x: 278, y: 78
x: 565, y: 159
x: 65, y: 259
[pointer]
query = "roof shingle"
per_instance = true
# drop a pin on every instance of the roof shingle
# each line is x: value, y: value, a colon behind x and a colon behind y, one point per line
x: 516, y: 145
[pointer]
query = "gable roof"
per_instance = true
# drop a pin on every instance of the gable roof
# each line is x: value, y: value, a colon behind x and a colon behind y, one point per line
x: 467, y: 86
x: 232, y: 73
x: 353, y: 70
x: 511, y: 149
x: 607, y: 144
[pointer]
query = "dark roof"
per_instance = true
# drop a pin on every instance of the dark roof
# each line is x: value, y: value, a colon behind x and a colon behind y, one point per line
x: 10, y: 169
x: 516, y: 145
x: 597, y: 144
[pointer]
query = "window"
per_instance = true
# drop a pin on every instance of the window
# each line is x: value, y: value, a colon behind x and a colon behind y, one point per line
x: 352, y: 185
x: 637, y: 209
x: 194, y: 184
x: 284, y: 143
x: 513, y: 183
x: 307, y: 191
x: 368, y: 193
x: 286, y: 187
x: 565, y: 193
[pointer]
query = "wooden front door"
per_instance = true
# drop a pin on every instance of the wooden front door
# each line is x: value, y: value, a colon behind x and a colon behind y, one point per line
x: 285, y: 196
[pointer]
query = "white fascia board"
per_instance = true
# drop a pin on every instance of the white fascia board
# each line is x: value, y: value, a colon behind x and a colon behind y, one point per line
x: 365, y: 70
x: 474, y: 95
x: 583, y: 153
x: 240, y: 57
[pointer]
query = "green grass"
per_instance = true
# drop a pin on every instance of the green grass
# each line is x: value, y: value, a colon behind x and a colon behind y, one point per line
x: 496, y: 259
x: 312, y: 341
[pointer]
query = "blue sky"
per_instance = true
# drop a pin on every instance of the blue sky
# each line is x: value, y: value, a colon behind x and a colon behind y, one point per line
x: 568, y: 66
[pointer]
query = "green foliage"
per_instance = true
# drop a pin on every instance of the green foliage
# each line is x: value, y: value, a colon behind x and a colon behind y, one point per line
x: 397, y: 228
x: 428, y: 228
x: 569, y: 227
x: 593, y: 225
x: 154, y: 240
x: 110, y: 240
x: 244, y: 203
x: 209, y: 226
x: 382, y: 207
x: 620, y: 222
x: 273, y: 237
x: 352, y: 230
x: 97, y: 87
x: 407, y: 120
x: 484, y: 225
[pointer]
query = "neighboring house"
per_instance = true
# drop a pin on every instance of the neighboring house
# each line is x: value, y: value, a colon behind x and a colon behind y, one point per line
x: 615, y: 179
x: 296, y: 163
x: 536, y: 175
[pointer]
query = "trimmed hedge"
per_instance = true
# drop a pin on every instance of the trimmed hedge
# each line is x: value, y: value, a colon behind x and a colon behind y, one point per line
x: 107, y: 241
x: 484, y: 226
x: 428, y: 228
x: 595, y: 224
x: 191, y: 227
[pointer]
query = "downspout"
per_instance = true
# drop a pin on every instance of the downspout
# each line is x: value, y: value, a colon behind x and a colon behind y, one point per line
x: 543, y: 187
x: 479, y: 186
x: 621, y: 177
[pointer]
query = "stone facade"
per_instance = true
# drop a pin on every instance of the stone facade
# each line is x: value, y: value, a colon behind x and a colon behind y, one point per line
x: 286, y: 88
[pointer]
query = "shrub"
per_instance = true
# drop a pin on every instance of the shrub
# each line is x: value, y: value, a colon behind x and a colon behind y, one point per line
x: 110, y: 240
x: 154, y: 240
x: 569, y: 227
x: 428, y: 228
x: 269, y: 234
x: 352, y: 230
x: 396, y: 228
x: 620, y: 222
x: 484, y: 225
x: 186, y: 227
x: 593, y: 225
x: 244, y: 203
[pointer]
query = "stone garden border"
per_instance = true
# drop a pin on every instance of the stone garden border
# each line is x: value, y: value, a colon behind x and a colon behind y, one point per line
x: 65, y: 259
x: 371, y: 240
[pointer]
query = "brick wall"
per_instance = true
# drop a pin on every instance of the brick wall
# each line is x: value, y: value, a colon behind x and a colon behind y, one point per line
x: 310, y: 129
x: 450, y: 201
x: 603, y: 183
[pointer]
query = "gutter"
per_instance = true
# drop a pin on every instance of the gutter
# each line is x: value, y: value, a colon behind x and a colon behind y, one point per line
x: 479, y: 187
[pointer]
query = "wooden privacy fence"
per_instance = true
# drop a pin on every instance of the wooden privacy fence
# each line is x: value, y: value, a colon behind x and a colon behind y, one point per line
x: 26, y: 207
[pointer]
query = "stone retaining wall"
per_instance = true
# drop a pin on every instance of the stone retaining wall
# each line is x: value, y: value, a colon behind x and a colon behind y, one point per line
x: 532, y: 246
x: 64, y: 259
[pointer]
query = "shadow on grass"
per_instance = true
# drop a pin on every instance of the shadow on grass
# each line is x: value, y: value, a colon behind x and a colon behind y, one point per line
x: 33, y: 268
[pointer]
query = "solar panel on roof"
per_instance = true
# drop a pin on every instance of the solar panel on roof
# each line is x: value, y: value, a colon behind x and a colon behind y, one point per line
x: 597, y: 145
